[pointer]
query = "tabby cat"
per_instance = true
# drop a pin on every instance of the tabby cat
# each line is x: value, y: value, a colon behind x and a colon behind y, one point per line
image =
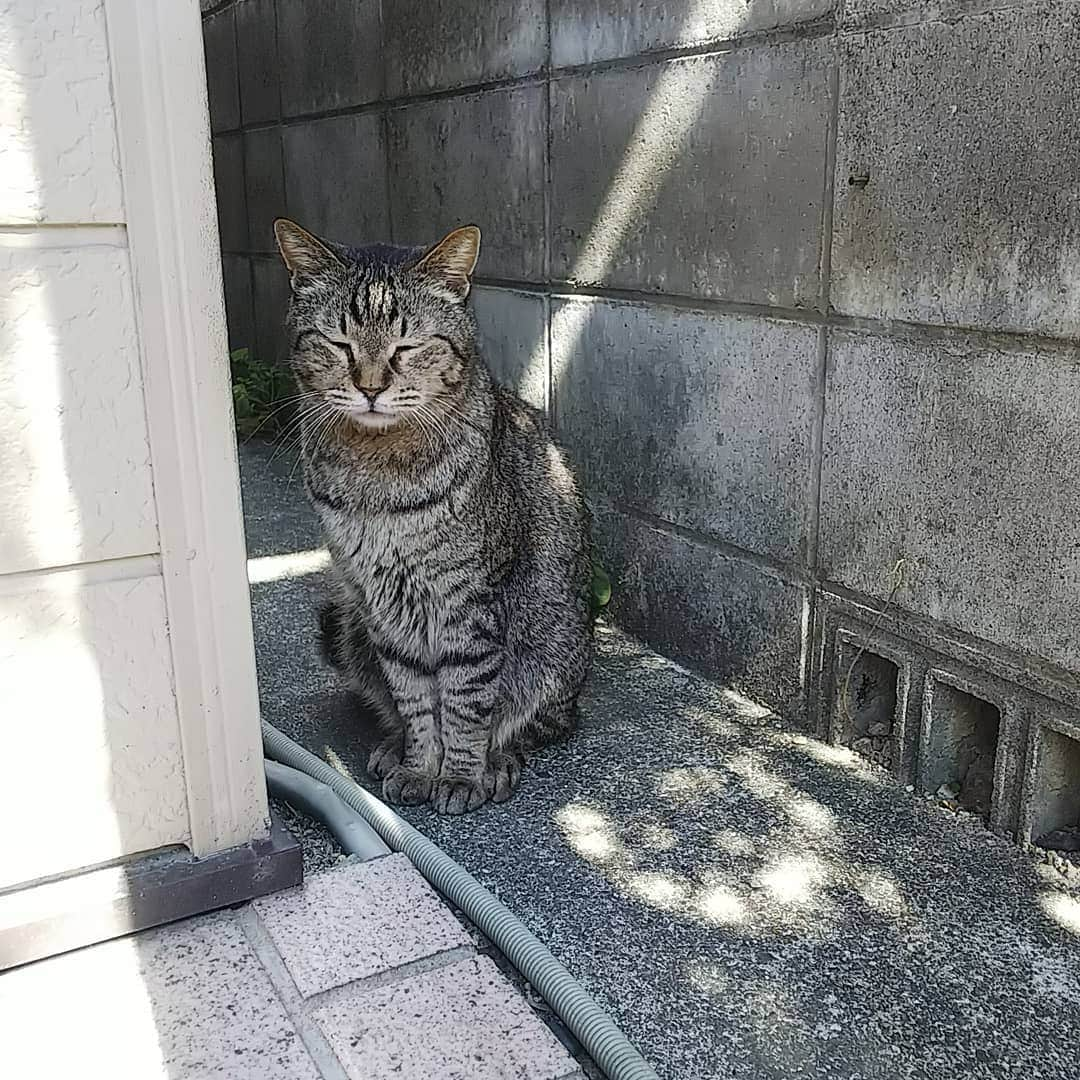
x: 458, y: 534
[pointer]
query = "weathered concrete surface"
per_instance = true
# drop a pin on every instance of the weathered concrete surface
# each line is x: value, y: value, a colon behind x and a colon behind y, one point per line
x: 239, y: 302
x: 513, y: 339
x: 229, y: 186
x: 257, y: 61
x: 270, y: 284
x: 437, y: 44
x: 678, y: 177
x: 219, y: 45
x: 440, y: 151
x: 335, y: 178
x: 856, y: 13
x: 747, y: 902
x: 959, y: 458
x: 346, y: 978
x: 703, y: 420
x: 586, y: 31
x: 329, y: 54
x: 738, y: 621
x: 966, y: 131
x: 265, y: 185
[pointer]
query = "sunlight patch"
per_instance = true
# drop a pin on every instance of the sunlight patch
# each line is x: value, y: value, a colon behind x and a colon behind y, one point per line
x: 589, y: 832
x: 1063, y: 909
x: 659, y: 890
x: 294, y: 564
x: 719, y: 906
x: 747, y: 708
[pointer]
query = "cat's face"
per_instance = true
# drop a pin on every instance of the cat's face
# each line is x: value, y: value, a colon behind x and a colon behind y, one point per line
x: 380, y: 337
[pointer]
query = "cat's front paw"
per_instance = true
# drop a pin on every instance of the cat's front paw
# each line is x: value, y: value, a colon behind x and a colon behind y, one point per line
x: 457, y: 795
x: 503, y: 776
x: 385, y: 757
x: 406, y: 787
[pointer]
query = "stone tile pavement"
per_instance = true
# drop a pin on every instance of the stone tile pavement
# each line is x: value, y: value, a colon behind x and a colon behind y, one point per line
x: 362, y: 972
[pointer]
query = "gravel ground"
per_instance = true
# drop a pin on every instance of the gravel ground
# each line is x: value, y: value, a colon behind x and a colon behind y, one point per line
x: 745, y: 901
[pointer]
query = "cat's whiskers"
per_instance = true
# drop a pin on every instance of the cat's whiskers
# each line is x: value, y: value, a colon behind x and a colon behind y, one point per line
x: 293, y: 435
x: 284, y: 403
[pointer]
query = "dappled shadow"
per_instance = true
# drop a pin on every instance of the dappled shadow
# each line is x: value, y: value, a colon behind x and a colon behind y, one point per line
x: 746, y: 900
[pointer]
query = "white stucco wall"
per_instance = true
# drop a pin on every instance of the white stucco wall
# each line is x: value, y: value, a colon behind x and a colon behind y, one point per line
x: 88, y: 670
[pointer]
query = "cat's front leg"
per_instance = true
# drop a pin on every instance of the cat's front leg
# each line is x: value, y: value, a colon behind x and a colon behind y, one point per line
x: 468, y: 689
x: 415, y: 693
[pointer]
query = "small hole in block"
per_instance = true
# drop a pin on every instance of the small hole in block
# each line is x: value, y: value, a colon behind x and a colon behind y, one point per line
x: 1056, y: 810
x: 958, y: 759
x: 866, y: 703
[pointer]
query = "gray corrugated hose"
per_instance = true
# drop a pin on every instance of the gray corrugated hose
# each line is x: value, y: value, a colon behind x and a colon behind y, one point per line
x: 313, y: 797
x: 602, y: 1040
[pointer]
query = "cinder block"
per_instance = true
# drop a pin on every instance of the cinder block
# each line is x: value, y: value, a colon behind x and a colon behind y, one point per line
x: 436, y: 44
x: 239, y: 302
x: 1052, y: 811
x: 953, y: 700
x: 229, y: 188
x: 473, y: 1025
x: 330, y: 55
x: 335, y: 178
x: 585, y: 31
x: 959, y: 745
x: 868, y: 703
x: 867, y: 686
x: 857, y: 13
x: 736, y: 621
x: 960, y: 459
x: 513, y: 340
x: 956, y: 166
x: 257, y: 61
x: 264, y: 183
x: 357, y: 921
x: 270, y: 283
x: 222, y: 87
x: 705, y: 420
x: 702, y: 176
x: 475, y: 159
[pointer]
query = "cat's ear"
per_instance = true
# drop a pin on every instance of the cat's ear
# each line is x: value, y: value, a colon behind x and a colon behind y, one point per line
x: 304, y: 255
x: 452, y: 260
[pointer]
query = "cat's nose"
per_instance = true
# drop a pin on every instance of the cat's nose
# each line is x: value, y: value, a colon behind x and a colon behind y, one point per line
x: 370, y: 391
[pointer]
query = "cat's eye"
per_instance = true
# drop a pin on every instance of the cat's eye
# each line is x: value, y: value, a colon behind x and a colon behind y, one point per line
x: 399, y: 352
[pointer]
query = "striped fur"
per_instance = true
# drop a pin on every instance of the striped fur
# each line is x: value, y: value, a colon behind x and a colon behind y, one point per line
x: 459, y: 537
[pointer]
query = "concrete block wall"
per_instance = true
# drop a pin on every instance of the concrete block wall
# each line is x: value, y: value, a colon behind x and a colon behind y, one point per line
x: 799, y: 284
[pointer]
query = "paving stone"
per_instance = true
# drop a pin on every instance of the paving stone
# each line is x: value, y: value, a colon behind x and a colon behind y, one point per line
x: 463, y: 1021
x: 182, y: 1003
x: 361, y: 920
